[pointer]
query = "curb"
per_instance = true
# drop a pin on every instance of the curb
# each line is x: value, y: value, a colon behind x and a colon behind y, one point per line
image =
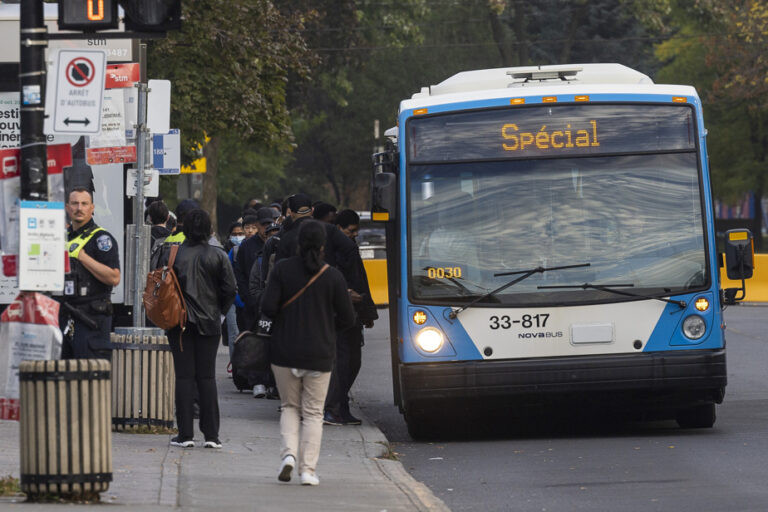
x: 376, y: 446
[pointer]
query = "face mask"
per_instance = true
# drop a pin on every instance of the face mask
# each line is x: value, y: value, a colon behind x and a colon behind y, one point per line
x: 237, y: 239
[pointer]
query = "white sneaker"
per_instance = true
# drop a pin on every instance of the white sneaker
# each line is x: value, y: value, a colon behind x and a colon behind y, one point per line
x: 308, y: 478
x: 259, y: 391
x: 286, y: 468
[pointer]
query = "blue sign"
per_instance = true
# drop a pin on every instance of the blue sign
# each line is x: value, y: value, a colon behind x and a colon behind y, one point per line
x: 166, y: 152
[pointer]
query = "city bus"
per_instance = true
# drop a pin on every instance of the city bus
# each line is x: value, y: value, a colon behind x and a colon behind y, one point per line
x: 550, y: 240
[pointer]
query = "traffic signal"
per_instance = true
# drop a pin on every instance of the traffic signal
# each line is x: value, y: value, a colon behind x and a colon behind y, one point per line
x: 87, y: 15
x: 152, y: 15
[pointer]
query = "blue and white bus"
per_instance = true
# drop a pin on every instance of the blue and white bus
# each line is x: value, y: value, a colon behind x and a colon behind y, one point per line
x: 551, y: 238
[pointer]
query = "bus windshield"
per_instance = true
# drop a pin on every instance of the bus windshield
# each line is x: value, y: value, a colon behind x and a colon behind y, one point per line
x: 635, y: 218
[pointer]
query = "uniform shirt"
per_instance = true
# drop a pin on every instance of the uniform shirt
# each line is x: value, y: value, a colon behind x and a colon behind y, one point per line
x: 103, y: 248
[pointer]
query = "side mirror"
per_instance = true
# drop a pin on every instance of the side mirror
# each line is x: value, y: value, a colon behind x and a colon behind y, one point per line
x: 384, y: 201
x: 739, y: 254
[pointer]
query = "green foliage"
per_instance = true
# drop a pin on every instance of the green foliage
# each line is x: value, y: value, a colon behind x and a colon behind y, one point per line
x: 229, y: 66
x: 9, y: 486
x: 245, y: 172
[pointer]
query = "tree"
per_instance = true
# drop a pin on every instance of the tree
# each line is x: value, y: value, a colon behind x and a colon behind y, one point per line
x: 718, y: 47
x: 334, y: 141
x: 229, y: 67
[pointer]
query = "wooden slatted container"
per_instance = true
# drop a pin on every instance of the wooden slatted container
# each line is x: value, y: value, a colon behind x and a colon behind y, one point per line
x: 143, y: 384
x: 66, y: 439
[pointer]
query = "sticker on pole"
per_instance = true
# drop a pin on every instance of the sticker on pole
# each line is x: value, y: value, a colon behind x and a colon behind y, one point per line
x: 79, y: 91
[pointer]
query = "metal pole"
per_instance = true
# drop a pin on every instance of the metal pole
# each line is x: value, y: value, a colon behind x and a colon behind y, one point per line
x: 142, y: 150
x: 33, y: 41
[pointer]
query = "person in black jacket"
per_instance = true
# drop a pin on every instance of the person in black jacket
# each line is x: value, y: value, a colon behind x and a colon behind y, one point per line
x: 303, y: 345
x: 349, y: 342
x: 208, y: 286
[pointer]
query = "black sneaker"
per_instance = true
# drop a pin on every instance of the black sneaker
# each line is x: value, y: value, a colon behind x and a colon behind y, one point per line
x: 212, y: 443
x: 351, y: 420
x: 183, y: 443
x: 272, y: 393
x: 331, y: 419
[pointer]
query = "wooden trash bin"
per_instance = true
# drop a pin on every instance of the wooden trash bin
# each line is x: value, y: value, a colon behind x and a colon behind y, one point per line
x: 143, y: 382
x: 66, y: 440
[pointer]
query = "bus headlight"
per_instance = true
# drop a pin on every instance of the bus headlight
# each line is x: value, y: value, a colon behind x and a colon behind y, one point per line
x: 429, y: 339
x: 694, y: 327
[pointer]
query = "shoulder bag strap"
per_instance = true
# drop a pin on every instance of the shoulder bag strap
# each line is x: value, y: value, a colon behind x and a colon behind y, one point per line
x: 172, y: 259
x: 298, y: 294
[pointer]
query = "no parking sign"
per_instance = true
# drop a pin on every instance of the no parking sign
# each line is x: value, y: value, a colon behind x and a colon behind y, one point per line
x: 79, y: 89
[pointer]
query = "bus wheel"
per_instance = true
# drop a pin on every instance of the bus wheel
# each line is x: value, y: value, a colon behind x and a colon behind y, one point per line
x: 699, y: 416
x: 421, y: 427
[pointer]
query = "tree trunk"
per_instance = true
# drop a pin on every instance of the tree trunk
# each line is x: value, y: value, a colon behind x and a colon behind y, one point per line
x: 523, y: 55
x: 577, y: 15
x: 211, y: 154
x: 500, y: 38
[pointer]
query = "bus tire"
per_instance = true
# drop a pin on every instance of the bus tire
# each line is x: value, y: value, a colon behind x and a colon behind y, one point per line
x: 699, y: 416
x: 421, y: 427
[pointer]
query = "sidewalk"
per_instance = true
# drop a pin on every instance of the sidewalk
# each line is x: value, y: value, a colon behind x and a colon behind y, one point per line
x: 148, y: 474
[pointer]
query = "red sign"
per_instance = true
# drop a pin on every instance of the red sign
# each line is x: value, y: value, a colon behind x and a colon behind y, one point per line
x: 121, y: 75
x: 59, y: 157
x: 110, y: 155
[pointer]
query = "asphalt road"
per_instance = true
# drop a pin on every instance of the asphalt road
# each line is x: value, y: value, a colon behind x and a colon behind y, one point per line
x: 594, y: 464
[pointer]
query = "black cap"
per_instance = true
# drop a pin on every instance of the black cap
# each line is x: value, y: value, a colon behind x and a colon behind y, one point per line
x: 273, y: 227
x: 266, y: 215
x: 184, y: 207
x: 300, y: 203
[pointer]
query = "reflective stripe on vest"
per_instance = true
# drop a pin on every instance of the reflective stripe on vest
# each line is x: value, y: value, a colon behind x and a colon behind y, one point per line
x: 175, y: 239
x: 76, y: 244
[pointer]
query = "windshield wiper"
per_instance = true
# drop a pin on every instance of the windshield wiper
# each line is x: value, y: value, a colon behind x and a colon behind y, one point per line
x: 525, y: 275
x: 610, y: 288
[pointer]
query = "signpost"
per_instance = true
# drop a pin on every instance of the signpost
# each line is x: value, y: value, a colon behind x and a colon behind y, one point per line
x: 79, y: 89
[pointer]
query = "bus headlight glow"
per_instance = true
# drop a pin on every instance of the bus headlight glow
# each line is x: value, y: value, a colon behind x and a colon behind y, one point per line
x: 694, y: 327
x: 429, y: 339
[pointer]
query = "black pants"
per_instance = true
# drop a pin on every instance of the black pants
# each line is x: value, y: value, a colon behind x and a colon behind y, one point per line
x: 87, y: 343
x: 195, y: 365
x: 348, y: 359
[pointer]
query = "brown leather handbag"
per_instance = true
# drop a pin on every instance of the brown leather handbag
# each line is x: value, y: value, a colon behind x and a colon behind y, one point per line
x: 163, y: 300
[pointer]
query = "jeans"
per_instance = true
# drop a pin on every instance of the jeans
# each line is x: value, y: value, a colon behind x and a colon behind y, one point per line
x: 301, y: 422
x: 195, y: 365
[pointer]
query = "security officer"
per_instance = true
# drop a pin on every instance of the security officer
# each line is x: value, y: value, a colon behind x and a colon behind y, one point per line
x: 94, y: 271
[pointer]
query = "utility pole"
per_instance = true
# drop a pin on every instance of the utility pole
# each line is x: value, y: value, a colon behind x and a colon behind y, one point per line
x: 33, y: 42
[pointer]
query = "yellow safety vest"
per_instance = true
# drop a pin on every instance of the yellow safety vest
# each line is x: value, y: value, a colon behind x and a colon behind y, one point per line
x: 175, y: 239
x: 75, y: 245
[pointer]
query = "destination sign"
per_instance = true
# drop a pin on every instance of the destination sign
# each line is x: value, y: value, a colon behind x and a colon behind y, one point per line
x: 550, y: 131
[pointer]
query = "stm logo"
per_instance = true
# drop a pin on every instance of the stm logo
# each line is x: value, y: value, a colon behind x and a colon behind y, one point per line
x: 529, y: 335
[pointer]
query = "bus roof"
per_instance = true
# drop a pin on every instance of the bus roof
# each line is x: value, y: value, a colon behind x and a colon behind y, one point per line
x: 541, y: 80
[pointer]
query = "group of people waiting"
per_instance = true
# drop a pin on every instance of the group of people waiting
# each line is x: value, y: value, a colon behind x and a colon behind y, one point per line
x: 295, y: 262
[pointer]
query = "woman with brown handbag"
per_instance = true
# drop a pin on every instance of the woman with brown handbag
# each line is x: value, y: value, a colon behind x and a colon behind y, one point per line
x: 208, y: 286
x: 309, y: 302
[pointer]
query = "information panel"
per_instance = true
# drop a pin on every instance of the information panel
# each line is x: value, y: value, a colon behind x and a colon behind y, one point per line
x: 550, y: 131
x: 42, y: 246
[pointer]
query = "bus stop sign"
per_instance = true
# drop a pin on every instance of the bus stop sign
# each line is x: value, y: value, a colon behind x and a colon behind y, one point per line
x: 78, y: 92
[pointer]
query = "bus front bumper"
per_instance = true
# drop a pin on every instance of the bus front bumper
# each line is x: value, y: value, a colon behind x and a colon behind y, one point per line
x: 693, y: 375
